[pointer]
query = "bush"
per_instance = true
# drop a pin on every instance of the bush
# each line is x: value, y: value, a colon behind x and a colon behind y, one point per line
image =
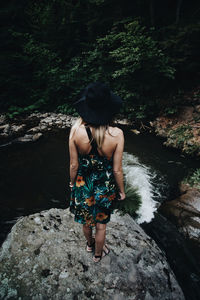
x: 182, y: 137
x: 14, y: 111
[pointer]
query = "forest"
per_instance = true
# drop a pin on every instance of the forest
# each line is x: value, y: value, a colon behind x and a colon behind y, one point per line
x: 146, y: 50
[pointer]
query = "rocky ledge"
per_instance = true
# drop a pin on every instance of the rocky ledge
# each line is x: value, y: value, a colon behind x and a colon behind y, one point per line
x: 44, y: 257
x: 185, y: 212
x: 33, y: 126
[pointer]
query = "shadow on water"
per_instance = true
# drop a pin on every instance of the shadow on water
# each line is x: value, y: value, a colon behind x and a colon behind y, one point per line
x: 178, y: 252
x: 35, y: 177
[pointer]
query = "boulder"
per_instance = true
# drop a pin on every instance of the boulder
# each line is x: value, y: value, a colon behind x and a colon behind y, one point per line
x: 2, y: 118
x: 28, y: 138
x: 37, y: 136
x: 44, y: 257
x: 185, y: 212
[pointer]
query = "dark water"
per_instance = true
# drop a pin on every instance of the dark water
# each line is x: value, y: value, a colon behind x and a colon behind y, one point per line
x: 34, y: 177
x: 182, y: 255
x: 168, y: 162
x: 179, y: 252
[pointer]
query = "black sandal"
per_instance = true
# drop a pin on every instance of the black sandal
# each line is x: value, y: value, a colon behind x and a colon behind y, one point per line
x: 103, y: 253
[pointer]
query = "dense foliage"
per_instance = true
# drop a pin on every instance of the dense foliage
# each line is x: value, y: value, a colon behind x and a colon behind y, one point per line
x: 145, y: 51
x: 130, y: 61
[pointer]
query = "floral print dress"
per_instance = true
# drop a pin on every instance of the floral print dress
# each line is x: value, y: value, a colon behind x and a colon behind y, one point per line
x: 95, y: 190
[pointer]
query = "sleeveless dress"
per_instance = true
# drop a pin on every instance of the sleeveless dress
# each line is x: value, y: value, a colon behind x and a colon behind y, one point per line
x: 95, y: 190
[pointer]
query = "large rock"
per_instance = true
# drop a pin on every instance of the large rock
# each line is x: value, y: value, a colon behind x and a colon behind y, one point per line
x: 185, y: 212
x: 44, y: 257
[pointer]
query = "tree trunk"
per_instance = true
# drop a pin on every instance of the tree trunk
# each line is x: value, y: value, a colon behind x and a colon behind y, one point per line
x: 151, y: 9
x: 178, y: 8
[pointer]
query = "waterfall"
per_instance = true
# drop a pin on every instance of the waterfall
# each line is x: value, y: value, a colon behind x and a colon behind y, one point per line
x: 141, y: 177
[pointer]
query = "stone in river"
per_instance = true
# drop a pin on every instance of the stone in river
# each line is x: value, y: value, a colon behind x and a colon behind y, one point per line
x: 185, y: 211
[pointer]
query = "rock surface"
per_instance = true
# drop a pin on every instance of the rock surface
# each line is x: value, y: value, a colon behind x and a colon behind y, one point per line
x: 44, y: 257
x: 185, y: 211
x: 31, y: 128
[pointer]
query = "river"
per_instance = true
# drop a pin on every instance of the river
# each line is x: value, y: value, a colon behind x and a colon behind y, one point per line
x: 35, y: 177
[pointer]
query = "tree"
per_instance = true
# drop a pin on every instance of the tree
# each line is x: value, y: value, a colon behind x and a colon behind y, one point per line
x: 178, y: 8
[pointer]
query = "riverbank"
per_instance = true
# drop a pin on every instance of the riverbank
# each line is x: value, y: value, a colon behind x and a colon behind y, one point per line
x: 181, y: 128
x: 31, y: 127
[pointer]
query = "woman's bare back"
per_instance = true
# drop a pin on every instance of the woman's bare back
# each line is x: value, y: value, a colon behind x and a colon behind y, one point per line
x: 108, y: 146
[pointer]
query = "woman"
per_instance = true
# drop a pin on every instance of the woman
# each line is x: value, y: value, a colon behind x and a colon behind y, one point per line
x: 96, y: 175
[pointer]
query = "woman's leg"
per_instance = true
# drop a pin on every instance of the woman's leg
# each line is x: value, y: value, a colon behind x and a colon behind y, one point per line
x: 100, y: 238
x: 88, y: 233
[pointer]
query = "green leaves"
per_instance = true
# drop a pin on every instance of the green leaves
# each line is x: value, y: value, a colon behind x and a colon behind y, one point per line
x: 14, y: 110
x: 131, y: 203
x: 130, y: 61
x: 193, y: 178
x: 66, y: 109
x: 183, y: 138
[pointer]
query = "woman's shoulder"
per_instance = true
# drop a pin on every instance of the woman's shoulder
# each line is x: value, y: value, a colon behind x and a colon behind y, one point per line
x: 115, y: 130
x: 76, y: 129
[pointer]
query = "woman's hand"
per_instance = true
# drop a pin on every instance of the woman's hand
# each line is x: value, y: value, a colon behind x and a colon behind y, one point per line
x: 122, y: 196
x: 71, y: 185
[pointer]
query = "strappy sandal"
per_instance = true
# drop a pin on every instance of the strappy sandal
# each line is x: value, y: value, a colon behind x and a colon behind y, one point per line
x: 103, y: 253
x: 90, y: 248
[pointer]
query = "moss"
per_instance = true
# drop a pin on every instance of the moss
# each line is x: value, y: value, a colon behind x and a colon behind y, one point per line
x: 180, y: 137
x: 193, y: 179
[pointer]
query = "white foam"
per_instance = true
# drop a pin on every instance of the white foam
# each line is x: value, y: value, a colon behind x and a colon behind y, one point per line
x: 140, y: 176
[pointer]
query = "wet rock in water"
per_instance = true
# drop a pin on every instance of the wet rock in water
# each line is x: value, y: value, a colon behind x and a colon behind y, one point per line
x: 12, y: 129
x: 53, y: 264
x: 2, y: 119
x: 34, y: 129
x: 6, y: 128
x: 185, y: 211
x: 18, y: 128
x: 28, y: 138
x: 36, y: 123
x: 36, y: 136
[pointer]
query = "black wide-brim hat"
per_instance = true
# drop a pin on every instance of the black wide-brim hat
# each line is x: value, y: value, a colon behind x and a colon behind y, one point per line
x: 98, y: 104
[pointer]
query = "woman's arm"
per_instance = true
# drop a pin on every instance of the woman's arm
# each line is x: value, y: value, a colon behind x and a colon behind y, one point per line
x: 73, y: 153
x: 117, y: 163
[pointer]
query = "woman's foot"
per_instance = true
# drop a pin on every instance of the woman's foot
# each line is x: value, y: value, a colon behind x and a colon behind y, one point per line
x: 105, y: 251
x: 89, y: 248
